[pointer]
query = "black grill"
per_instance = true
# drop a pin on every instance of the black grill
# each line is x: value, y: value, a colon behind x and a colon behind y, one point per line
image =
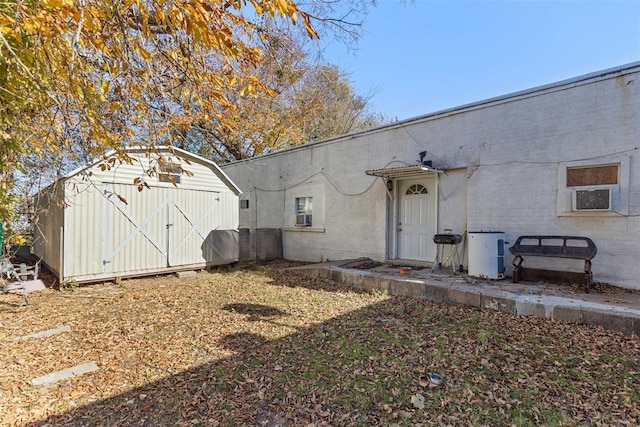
x: 447, y: 239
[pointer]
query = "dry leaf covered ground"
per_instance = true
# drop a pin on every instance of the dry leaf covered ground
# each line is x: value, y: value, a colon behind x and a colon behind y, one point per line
x: 266, y: 346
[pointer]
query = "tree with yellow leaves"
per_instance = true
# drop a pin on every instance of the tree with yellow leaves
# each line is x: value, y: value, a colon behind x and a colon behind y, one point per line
x: 312, y: 101
x: 86, y: 77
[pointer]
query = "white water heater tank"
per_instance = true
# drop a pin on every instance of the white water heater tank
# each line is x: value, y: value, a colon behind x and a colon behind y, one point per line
x: 486, y: 254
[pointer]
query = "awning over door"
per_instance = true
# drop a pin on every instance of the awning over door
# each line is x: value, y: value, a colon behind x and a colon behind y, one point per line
x: 403, y: 172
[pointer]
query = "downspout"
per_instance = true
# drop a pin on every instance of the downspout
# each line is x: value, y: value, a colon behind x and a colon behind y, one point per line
x: 437, y: 200
x: 390, y: 217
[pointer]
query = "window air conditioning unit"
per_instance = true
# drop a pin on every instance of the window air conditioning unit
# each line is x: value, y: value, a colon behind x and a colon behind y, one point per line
x: 303, y: 220
x: 592, y: 199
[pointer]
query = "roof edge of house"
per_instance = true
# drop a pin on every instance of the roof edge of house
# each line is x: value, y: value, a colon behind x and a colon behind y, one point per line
x: 501, y: 99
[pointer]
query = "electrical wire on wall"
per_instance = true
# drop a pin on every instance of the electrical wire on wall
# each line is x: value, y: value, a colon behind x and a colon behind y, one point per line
x: 556, y: 162
x: 373, y: 181
x: 346, y: 194
x: 329, y: 179
x: 547, y: 162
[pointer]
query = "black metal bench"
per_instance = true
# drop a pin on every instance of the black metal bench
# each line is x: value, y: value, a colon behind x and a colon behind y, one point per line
x: 554, y: 247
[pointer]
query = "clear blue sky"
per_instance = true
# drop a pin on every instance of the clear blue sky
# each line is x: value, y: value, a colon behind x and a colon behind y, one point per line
x: 424, y: 56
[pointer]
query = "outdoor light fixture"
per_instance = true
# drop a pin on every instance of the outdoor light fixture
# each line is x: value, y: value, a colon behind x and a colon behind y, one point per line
x: 422, y: 155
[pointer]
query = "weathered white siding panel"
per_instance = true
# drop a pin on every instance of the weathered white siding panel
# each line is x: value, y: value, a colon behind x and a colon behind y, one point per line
x: 83, y: 222
x: 49, y: 227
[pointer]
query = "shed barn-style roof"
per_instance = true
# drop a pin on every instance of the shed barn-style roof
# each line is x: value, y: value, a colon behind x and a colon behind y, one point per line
x: 174, y: 151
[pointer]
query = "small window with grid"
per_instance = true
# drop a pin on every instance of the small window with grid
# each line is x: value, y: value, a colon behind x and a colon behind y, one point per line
x: 304, y: 211
x: 170, y: 172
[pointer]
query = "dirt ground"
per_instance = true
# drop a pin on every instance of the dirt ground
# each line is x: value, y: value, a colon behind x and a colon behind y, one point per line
x: 265, y: 346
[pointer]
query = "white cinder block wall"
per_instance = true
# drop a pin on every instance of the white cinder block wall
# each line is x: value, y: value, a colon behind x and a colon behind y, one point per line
x: 504, y: 160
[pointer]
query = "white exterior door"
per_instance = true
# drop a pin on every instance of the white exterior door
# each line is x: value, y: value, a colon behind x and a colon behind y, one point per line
x: 417, y: 219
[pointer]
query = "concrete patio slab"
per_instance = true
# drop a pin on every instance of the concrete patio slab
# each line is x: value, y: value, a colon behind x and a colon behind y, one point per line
x: 619, y: 311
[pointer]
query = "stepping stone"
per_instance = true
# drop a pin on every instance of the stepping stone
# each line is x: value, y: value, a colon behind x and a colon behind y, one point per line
x: 66, y: 373
x: 34, y: 285
x: 186, y: 274
x: 28, y: 285
x: 47, y: 333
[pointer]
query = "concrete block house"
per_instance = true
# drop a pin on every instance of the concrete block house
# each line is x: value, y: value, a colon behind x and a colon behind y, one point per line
x: 560, y: 159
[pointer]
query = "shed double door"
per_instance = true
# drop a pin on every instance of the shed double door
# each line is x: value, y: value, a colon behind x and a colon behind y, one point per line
x: 156, y: 228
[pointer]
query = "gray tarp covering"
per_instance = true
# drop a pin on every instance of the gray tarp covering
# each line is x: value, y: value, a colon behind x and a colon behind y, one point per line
x: 221, y: 247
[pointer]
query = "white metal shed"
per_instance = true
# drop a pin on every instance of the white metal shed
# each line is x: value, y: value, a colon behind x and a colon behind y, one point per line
x: 94, y: 224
